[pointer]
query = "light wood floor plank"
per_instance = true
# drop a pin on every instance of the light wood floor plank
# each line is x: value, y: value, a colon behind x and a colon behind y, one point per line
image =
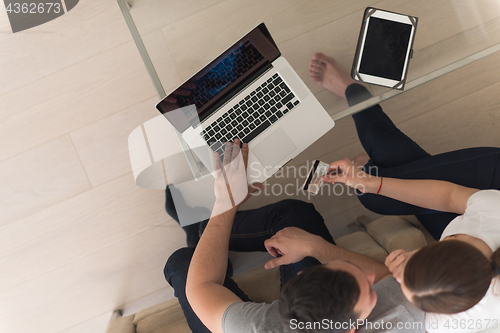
x: 4, y: 19
x: 467, y: 80
x: 150, y: 15
x: 439, y: 20
x: 162, y: 59
x: 97, y: 325
x: 89, y: 29
x: 39, y: 178
x: 103, y: 145
x: 91, y: 286
x: 196, y: 40
x: 467, y: 122
x: 72, y: 98
x: 84, y: 224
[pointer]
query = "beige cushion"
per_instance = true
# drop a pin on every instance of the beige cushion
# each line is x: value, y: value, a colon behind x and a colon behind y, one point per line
x: 121, y: 325
x: 166, y: 316
x: 415, y: 222
x: 393, y: 233
x: 360, y: 242
x: 259, y: 284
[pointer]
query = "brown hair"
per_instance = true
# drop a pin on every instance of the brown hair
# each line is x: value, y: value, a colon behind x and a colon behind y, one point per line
x: 449, y: 277
x: 319, y: 293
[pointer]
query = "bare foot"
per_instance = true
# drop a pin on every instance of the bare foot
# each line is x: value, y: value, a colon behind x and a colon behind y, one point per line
x: 361, y: 160
x: 327, y: 73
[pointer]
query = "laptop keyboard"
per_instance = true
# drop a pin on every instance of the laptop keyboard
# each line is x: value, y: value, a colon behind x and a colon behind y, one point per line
x: 252, y: 115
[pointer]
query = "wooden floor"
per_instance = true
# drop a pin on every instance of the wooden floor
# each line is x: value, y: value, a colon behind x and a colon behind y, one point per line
x: 78, y: 238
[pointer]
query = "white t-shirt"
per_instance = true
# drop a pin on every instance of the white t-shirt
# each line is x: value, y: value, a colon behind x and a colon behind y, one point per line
x: 481, y: 220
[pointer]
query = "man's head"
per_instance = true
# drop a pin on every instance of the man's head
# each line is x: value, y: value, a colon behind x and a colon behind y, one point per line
x: 336, y: 292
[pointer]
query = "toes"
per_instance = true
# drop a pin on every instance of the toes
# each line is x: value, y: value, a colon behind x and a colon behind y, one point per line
x: 319, y: 56
x: 323, y: 59
x: 316, y: 63
x: 315, y: 73
x: 316, y: 68
x: 315, y: 78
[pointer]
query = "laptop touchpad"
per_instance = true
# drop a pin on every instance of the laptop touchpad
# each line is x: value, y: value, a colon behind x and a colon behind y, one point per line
x: 274, y: 148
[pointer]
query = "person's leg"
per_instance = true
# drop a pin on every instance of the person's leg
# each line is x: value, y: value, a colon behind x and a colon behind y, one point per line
x: 474, y: 167
x: 386, y: 145
x: 252, y: 227
x: 192, y: 230
x: 175, y: 273
x: 393, y: 154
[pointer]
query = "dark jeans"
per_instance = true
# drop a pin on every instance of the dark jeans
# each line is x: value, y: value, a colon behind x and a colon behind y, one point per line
x: 250, y: 229
x: 393, y: 154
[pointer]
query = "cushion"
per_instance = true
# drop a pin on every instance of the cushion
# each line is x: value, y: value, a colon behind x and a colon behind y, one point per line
x: 171, y: 303
x: 360, y: 242
x: 259, y: 284
x: 393, y: 233
x: 121, y: 325
x: 170, y: 319
x: 414, y: 221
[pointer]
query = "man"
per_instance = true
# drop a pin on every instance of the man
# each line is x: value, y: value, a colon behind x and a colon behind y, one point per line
x: 338, y: 291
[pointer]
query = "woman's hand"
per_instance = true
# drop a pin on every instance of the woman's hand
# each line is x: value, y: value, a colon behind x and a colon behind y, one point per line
x: 396, y: 262
x: 344, y: 171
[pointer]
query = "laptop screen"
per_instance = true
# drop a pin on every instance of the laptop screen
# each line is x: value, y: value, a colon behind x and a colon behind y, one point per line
x: 221, y: 79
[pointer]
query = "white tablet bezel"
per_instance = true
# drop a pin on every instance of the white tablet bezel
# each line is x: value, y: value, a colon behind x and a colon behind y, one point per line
x: 390, y: 17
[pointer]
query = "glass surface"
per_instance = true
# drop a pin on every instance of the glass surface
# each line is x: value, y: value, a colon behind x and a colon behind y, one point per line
x: 450, y: 34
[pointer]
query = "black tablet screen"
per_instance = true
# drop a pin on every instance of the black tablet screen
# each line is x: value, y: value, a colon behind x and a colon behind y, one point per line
x: 385, y: 48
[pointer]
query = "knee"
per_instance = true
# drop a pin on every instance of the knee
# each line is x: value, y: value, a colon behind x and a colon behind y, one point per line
x: 371, y: 202
x: 300, y: 214
x: 295, y: 206
x: 178, y: 264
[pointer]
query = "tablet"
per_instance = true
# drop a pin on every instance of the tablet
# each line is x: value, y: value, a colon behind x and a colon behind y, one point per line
x: 384, y: 48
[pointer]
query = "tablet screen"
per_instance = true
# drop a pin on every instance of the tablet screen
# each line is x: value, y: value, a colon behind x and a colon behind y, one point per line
x: 386, y: 45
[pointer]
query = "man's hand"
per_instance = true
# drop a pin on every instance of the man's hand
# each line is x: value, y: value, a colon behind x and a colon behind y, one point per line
x: 231, y: 186
x: 293, y: 244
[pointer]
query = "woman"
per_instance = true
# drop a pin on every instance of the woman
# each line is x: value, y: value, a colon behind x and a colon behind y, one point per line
x: 454, y: 195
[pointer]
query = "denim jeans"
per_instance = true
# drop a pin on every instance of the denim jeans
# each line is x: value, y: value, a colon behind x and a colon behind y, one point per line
x: 393, y: 154
x: 250, y: 229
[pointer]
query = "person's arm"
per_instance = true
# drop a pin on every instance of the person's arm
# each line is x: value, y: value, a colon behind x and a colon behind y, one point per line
x: 205, y: 292
x: 294, y: 244
x: 432, y: 194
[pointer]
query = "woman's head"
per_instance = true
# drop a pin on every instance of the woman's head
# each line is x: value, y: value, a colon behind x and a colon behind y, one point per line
x: 444, y: 277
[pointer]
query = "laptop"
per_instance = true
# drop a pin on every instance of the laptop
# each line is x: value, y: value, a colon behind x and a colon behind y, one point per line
x: 252, y: 93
